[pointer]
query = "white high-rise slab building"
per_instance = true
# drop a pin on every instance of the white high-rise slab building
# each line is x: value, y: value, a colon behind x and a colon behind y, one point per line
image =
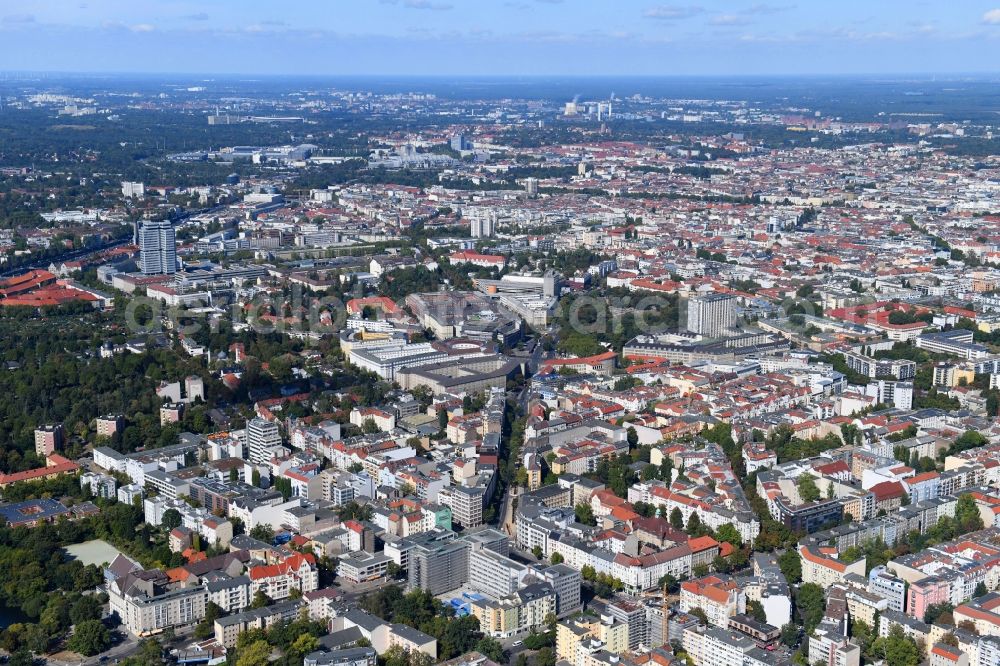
x: 711, y: 315
x: 157, y: 247
x: 262, y: 436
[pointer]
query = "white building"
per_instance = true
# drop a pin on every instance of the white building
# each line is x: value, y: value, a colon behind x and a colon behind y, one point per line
x: 261, y: 437
x: 711, y: 315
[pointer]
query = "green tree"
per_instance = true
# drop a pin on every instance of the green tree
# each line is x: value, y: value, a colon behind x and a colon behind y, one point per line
x: 90, y: 637
x: 521, y: 478
x: 934, y: 612
x: 863, y: 635
x: 263, y: 533
x: 967, y: 514
x: 728, y: 533
x: 808, y: 490
x: 791, y: 565
x: 490, y: 648
x: 303, y: 645
x: 584, y: 514
x: 257, y: 653
x: 756, y: 610
x: 206, y: 627
x: 694, y: 523
x: 810, y: 603
x: 87, y: 607
x: 790, y: 635
x: 545, y: 657
x: 260, y: 600
x: 676, y: 518
x: 557, y: 558
x: 898, y: 648
x: 700, y: 614
x: 172, y: 518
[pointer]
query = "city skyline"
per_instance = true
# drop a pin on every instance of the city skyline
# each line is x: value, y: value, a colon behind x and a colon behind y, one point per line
x: 525, y: 37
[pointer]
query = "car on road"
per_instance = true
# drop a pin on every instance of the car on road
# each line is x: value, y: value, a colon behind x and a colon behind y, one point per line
x: 517, y: 644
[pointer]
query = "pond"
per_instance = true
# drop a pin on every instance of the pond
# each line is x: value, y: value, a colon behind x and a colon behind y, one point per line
x: 9, y: 616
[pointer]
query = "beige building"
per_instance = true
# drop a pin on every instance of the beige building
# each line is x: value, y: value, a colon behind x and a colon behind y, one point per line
x: 521, y: 612
x: 821, y: 566
x: 575, y: 638
x: 147, y: 603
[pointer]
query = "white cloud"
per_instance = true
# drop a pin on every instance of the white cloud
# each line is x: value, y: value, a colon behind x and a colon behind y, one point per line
x: 19, y: 18
x: 420, y: 4
x: 673, y: 12
x: 992, y: 17
x: 729, y: 19
x: 764, y: 8
x: 142, y: 27
x: 427, y: 4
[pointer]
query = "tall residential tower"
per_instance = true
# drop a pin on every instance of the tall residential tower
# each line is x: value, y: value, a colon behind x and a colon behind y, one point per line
x: 157, y: 247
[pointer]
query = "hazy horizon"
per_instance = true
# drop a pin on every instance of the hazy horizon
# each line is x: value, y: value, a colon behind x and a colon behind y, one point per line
x: 502, y: 38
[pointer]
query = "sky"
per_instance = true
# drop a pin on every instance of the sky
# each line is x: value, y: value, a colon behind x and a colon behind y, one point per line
x: 501, y: 37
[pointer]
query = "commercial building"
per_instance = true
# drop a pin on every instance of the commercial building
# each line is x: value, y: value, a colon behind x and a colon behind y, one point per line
x: 520, y: 612
x: 957, y: 342
x: 494, y: 573
x: 362, y: 567
x: 466, y: 504
x: 685, y: 349
x: 386, y: 359
x: 468, y: 375
x: 261, y: 437
x: 565, y: 581
x: 438, y: 565
x: 157, y: 247
x: 711, y: 315
x: 146, y: 601
x: 356, y: 656
x: 483, y: 225
x: 576, y: 635
x: 228, y: 628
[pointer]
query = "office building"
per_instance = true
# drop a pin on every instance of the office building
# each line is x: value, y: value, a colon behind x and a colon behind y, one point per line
x: 566, y: 581
x: 133, y: 190
x: 262, y: 436
x: 157, y: 247
x: 483, y: 225
x: 494, y: 573
x: 531, y: 187
x: 438, y: 566
x: 466, y: 504
x: 711, y: 315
